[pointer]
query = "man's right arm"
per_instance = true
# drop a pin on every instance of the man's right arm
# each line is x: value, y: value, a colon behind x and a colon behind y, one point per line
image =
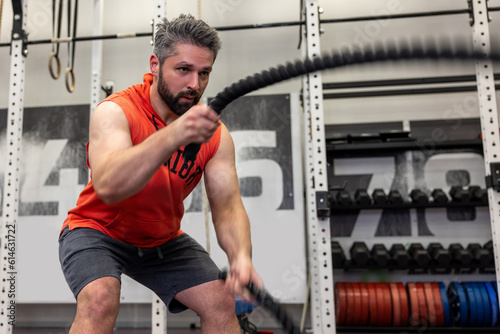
x: 121, y: 169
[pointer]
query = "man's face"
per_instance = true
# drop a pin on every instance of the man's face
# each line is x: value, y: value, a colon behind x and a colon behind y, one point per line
x: 182, y: 78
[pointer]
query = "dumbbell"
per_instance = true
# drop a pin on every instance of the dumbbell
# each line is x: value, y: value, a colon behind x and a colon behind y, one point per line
x: 343, y: 198
x: 418, y: 196
x: 459, y: 194
x: 482, y: 256
x: 419, y: 254
x: 459, y: 254
x: 362, y: 197
x: 439, y: 254
x: 477, y: 194
x: 400, y: 255
x: 489, y: 247
x: 439, y: 196
x: 380, y: 255
x: 338, y: 256
x: 360, y: 254
x: 379, y: 197
x: 395, y: 197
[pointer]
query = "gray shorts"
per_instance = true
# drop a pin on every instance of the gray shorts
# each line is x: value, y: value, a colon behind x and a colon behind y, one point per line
x: 181, y: 263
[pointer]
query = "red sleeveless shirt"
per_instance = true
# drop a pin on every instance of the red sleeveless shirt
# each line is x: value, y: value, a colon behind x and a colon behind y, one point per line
x: 152, y: 216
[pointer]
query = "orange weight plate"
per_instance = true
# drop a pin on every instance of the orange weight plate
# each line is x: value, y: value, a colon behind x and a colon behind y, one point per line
x: 387, y: 299
x: 396, y: 305
x: 340, y: 303
x: 431, y: 308
x: 414, y: 309
x: 422, y: 305
x: 372, y: 296
x: 403, y: 298
x: 365, y: 304
x: 438, y: 304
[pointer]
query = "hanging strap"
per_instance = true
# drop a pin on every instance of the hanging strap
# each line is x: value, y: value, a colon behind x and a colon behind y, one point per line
x: 70, y: 76
x: 54, y: 56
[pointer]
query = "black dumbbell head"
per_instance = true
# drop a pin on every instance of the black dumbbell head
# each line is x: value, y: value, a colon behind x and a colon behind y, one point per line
x: 380, y: 254
x: 360, y: 254
x: 439, y: 196
x: 362, y: 197
x: 343, y: 198
x: 418, y: 196
x: 400, y: 255
x: 395, y: 197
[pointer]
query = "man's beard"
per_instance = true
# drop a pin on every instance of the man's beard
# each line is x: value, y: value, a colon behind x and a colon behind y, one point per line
x: 173, y: 102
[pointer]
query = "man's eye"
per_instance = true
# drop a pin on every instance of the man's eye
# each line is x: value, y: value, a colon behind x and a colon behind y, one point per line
x: 183, y: 69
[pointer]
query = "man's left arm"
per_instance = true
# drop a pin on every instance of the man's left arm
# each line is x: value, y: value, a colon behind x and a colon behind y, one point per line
x: 230, y: 219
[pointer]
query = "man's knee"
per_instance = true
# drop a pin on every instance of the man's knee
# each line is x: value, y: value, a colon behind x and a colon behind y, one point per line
x: 100, y: 299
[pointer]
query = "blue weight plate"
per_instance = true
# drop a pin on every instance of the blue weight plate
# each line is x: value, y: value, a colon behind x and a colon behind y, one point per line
x: 475, y: 307
x: 481, y: 307
x: 446, y: 304
x: 458, y: 304
x: 493, y: 303
x: 486, y: 304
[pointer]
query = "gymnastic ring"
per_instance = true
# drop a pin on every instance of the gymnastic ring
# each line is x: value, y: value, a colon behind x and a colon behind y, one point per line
x: 70, y: 74
x: 56, y: 75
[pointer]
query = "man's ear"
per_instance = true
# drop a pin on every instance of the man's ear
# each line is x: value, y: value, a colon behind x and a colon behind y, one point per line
x: 154, y: 65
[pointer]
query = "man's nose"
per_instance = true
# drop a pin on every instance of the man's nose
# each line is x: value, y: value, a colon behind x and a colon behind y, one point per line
x: 194, y: 82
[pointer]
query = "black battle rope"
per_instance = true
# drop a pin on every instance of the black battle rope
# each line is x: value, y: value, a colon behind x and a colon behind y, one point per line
x: 54, y: 56
x: 70, y: 75
x: 263, y: 297
x: 388, y: 51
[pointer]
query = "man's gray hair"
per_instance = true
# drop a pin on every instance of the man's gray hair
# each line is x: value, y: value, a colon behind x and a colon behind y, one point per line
x: 185, y: 29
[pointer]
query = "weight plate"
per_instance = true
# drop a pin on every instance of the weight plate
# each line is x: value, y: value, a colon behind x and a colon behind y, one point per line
x: 403, y: 297
x: 373, y: 304
x: 340, y: 303
x: 438, y: 304
x: 387, y: 318
x: 445, y: 303
x: 431, y: 308
x: 493, y: 303
x: 474, y: 305
x: 365, y: 304
x: 349, y: 317
x: 422, y: 305
x: 356, y: 293
x: 485, y: 300
x: 458, y: 304
x: 396, y: 305
x: 414, y: 311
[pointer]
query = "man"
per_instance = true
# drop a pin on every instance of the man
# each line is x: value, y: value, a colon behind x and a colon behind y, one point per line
x: 127, y: 219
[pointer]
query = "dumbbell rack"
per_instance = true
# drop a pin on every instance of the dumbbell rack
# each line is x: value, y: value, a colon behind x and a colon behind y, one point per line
x: 317, y: 202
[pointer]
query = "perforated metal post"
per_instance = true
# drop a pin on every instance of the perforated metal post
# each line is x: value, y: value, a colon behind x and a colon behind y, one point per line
x: 317, y: 209
x: 489, y: 120
x: 8, y: 229
x: 96, y: 64
x: 159, y: 310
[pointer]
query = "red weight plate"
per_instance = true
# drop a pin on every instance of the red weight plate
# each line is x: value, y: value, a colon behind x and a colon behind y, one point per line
x: 438, y: 304
x: 396, y: 305
x: 422, y: 305
x: 365, y: 304
x: 356, y: 292
x: 349, y: 317
x: 431, y: 308
x: 381, y: 307
x: 403, y: 298
x: 372, y: 296
x: 414, y: 309
x: 387, y: 318
x: 340, y: 303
